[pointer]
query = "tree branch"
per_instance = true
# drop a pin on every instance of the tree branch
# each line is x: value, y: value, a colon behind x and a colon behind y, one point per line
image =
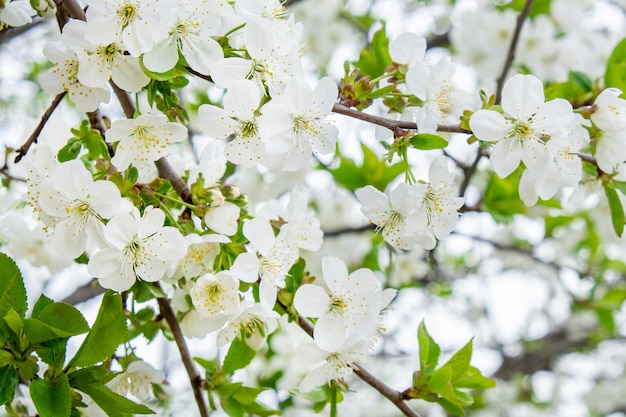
x: 22, y: 150
x: 512, y: 47
x: 393, y: 125
x: 194, y: 377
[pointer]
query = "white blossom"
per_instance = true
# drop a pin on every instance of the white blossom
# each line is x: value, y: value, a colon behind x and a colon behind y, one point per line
x: 137, y: 247
x: 144, y: 139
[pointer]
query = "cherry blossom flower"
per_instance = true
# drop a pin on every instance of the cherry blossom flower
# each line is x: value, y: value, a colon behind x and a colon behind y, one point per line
x: 16, y: 13
x: 201, y: 252
x: 268, y: 67
x: 100, y: 62
x: 215, y: 294
x: 137, y: 380
x: 190, y: 34
x: 212, y: 166
x: 348, y: 307
x: 432, y: 85
x: 439, y: 199
x: 138, y: 247
x: 331, y: 365
x: 610, y: 117
x: 393, y: 214
x: 77, y: 205
x: 237, y: 124
x: 407, y: 49
x: 139, y: 24
x: 293, y: 124
x: 527, y: 124
x: 64, y: 77
x: 300, y: 228
x: 251, y: 321
x: 223, y: 218
x: 144, y: 139
x: 272, y: 266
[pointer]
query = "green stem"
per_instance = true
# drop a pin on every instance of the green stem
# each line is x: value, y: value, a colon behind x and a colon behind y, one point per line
x: 333, y: 401
x: 175, y: 200
x: 170, y: 216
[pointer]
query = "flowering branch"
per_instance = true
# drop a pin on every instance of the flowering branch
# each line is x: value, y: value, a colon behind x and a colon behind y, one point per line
x: 22, y: 150
x: 511, y: 54
x: 390, y: 124
x: 392, y: 395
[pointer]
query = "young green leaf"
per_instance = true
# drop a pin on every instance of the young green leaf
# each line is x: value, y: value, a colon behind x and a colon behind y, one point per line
x: 615, y: 74
x: 108, y: 332
x: 428, y: 350
x: 51, y: 399
x: 52, y: 352
x: 617, y: 211
x: 427, y: 142
x: 12, y: 290
x: 459, y: 362
x: 473, y: 379
x: 92, y: 375
x: 8, y: 384
x: 239, y: 356
x: 112, y: 404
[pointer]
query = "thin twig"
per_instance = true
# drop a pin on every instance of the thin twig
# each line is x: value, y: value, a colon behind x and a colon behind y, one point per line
x: 346, y: 230
x: 390, y: 124
x: 469, y: 171
x: 194, y: 377
x: 22, y: 150
x: 199, y: 74
x: 512, y: 47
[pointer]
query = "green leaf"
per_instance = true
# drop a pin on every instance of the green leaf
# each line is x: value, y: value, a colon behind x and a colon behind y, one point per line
x: 501, y: 198
x: 473, y: 379
x: 428, y: 350
x: 40, y: 306
x: 92, y: 375
x: 615, y: 74
x: 112, y: 404
x: 65, y: 318
x: 375, y: 58
x: 450, y: 407
x: 70, y: 151
x: 8, y: 384
x: 14, y: 321
x: 108, y: 332
x: 581, y: 79
x: 52, y: 352
x: 441, y: 380
x: 459, y: 362
x: 427, y: 141
x: 11, y: 287
x: 239, y: 356
x: 617, y: 211
x: 51, y: 399
x: 373, y: 171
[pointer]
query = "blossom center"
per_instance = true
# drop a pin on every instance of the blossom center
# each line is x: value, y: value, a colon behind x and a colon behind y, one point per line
x: 303, y: 123
x: 109, y: 52
x: 249, y: 129
x: 127, y: 13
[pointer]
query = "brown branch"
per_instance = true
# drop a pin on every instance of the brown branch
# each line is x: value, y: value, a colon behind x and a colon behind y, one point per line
x: 441, y: 39
x: 22, y: 150
x: 194, y: 377
x: 469, y: 171
x: 199, y: 74
x: 85, y: 292
x: 393, y: 125
x: 512, y: 47
x: 392, y: 395
x: 13, y: 32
